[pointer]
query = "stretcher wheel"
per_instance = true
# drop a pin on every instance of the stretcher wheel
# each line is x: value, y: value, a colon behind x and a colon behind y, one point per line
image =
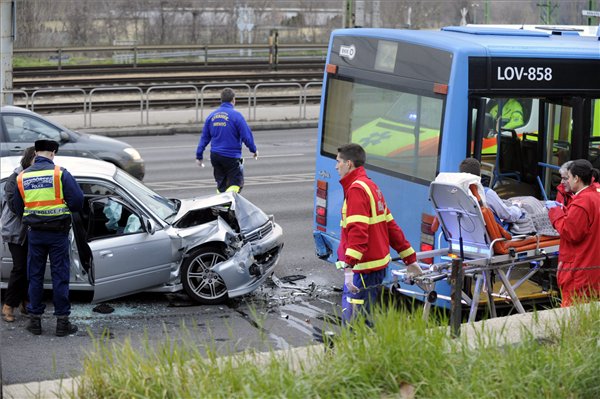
x: 432, y: 296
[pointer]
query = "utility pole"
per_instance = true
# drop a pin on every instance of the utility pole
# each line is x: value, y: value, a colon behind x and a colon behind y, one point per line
x: 546, y: 11
x: 486, y: 12
x: 8, y: 9
x: 348, y: 14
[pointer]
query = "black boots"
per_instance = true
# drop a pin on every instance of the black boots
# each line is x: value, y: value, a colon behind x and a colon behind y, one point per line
x: 64, y: 326
x: 35, y: 324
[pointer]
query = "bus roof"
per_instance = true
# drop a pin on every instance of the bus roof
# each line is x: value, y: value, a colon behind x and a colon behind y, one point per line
x: 491, y: 41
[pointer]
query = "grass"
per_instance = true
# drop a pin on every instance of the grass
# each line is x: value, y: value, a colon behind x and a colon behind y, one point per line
x: 401, y: 351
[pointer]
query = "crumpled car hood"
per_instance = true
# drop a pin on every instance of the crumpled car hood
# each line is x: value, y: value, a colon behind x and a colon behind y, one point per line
x: 248, y: 215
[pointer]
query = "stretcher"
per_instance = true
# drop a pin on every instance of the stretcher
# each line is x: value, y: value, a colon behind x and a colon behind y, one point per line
x: 487, y: 250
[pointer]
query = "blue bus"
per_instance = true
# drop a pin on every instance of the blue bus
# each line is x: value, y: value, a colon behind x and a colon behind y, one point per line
x: 419, y: 102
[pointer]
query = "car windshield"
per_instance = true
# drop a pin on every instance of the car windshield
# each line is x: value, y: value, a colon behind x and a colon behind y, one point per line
x: 161, y: 206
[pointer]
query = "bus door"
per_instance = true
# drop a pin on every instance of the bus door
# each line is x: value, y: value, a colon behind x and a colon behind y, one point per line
x: 554, y: 130
x: 594, y: 141
x: 504, y: 136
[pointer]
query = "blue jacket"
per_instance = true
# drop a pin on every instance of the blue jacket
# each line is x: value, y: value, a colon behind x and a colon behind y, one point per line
x: 71, y: 191
x: 226, y: 129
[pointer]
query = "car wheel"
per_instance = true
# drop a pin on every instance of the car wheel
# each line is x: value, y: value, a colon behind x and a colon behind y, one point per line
x: 201, y: 283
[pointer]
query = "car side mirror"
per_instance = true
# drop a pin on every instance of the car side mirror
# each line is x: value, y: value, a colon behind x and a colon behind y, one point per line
x: 64, y: 137
x: 149, y: 225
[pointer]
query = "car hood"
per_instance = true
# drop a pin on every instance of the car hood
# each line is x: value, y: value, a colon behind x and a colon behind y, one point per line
x: 102, y: 139
x: 248, y: 215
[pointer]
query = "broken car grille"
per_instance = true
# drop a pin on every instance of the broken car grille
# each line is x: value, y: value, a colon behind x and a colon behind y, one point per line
x: 259, y: 233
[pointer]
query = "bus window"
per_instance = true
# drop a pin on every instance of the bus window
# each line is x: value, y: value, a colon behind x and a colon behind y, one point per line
x: 399, y: 130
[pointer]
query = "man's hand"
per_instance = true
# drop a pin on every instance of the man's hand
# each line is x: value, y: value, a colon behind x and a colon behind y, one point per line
x: 200, y: 162
x: 552, y: 204
x: 348, y: 280
x: 414, y: 269
x: 255, y: 155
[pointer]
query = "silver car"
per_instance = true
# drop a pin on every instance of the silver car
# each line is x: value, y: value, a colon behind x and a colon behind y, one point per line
x: 213, y: 247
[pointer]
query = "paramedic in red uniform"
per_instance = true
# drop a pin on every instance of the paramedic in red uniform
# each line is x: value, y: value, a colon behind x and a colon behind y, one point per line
x: 368, y: 230
x: 579, y: 227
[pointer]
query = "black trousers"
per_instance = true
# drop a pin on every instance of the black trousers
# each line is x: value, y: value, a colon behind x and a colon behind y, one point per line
x: 17, y: 282
x: 228, y: 172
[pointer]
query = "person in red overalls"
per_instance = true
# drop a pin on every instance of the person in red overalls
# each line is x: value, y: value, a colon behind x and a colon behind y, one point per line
x: 579, y: 227
x: 564, y: 194
x: 368, y: 230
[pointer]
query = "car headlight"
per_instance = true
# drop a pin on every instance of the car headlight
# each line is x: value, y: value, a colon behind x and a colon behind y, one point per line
x: 135, y: 155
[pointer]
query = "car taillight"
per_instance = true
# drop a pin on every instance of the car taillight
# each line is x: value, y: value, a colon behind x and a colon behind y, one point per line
x: 428, y: 227
x: 321, y: 205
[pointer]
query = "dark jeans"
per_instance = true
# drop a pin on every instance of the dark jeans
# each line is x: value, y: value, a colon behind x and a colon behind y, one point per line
x: 44, y: 244
x: 17, y: 282
x: 227, y: 171
x: 369, y: 285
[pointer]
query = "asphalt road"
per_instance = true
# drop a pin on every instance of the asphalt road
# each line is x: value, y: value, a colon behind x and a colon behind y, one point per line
x: 273, y: 317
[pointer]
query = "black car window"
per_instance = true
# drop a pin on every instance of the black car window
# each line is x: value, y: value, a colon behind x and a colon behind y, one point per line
x: 109, y: 217
x: 24, y: 128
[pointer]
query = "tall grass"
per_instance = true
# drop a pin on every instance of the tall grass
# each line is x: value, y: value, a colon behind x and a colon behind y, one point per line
x: 400, y: 350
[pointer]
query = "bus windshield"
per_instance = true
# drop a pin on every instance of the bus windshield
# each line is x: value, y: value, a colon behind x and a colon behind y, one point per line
x: 399, y: 128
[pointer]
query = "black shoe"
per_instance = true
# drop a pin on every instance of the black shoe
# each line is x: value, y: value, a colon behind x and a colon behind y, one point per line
x: 35, y: 324
x: 64, y: 326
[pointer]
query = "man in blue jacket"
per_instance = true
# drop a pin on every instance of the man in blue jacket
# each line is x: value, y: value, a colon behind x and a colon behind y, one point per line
x: 48, y: 195
x: 226, y: 130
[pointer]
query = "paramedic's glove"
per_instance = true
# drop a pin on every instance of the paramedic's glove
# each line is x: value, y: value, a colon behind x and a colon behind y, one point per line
x: 340, y: 265
x: 348, y: 280
x: 414, y: 269
x: 551, y: 204
x: 200, y: 162
x: 255, y: 155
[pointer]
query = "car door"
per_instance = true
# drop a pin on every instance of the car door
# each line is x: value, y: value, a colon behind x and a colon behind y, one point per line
x: 128, y: 256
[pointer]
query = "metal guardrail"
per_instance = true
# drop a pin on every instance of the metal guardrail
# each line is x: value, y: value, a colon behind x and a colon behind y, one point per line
x: 60, y: 53
x: 162, y: 87
x: 115, y: 88
x: 292, y: 84
x: 306, y: 86
x: 87, y: 98
x: 17, y: 92
x: 72, y: 90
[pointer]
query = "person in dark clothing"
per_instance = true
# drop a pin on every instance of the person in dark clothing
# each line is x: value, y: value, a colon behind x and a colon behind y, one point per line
x: 15, y: 235
x: 48, y: 195
x: 226, y: 129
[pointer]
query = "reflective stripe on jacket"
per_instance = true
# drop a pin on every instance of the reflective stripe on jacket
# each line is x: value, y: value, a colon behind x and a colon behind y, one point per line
x: 42, y: 193
x: 368, y: 228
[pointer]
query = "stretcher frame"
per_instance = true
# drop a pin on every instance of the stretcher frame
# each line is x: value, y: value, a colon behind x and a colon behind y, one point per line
x: 469, y: 237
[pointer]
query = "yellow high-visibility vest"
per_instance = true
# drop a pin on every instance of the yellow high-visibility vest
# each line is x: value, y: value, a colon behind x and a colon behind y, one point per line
x: 42, y: 193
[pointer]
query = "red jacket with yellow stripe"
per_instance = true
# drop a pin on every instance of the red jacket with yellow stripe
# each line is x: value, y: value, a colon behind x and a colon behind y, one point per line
x: 368, y: 227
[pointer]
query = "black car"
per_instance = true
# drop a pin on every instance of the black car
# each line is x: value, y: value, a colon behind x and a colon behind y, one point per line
x: 20, y: 128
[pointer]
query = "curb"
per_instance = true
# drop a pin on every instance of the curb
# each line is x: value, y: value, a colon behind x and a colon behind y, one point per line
x: 158, y: 130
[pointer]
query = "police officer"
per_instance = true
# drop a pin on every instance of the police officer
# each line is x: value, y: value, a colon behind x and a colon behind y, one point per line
x: 48, y: 195
x: 226, y: 130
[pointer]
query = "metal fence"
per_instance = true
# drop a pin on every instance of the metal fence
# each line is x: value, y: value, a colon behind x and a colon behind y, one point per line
x: 251, y: 96
x: 134, y: 55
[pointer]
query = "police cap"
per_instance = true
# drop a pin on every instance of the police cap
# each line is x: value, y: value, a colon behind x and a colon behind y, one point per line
x: 46, y: 145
